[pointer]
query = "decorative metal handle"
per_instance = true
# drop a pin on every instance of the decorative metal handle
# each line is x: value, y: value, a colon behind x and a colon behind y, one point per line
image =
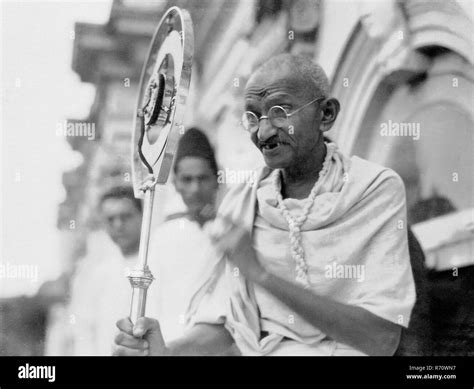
x: 141, y: 277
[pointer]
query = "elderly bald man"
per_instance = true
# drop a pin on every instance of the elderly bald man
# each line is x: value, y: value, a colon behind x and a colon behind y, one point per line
x: 310, y: 260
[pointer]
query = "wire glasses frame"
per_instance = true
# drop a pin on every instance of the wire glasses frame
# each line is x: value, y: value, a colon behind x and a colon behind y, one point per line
x: 277, y: 116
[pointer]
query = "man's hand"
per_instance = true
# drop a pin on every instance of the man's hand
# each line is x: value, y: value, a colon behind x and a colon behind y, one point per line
x: 236, y: 243
x: 143, y: 339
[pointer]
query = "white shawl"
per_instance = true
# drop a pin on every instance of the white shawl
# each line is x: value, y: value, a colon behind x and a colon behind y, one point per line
x: 355, y: 243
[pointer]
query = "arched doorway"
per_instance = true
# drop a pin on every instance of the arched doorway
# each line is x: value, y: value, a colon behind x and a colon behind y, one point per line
x: 406, y: 87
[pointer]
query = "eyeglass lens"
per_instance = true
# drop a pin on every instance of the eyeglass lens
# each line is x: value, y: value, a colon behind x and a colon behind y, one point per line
x: 276, y: 115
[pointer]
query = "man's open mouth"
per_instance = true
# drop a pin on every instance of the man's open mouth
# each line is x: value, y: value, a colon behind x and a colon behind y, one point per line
x: 271, y: 146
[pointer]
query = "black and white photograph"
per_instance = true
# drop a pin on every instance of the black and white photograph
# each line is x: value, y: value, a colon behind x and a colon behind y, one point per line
x: 237, y: 178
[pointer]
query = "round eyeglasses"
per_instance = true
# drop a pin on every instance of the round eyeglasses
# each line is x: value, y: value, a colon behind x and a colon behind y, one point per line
x: 277, y: 116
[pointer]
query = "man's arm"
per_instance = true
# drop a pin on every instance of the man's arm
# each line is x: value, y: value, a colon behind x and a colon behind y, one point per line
x: 145, y: 338
x: 351, y: 325
x: 202, y: 339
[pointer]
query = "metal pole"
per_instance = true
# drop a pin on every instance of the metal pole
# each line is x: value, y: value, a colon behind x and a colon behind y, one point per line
x: 141, y: 277
x: 163, y: 89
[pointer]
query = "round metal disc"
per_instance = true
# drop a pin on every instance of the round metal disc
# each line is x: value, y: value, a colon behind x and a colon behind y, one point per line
x: 162, y: 94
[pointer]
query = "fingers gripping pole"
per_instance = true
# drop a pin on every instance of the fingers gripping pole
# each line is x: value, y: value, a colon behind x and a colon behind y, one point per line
x: 141, y: 277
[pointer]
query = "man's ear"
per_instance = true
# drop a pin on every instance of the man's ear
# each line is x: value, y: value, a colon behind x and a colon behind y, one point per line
x: 330, y: 109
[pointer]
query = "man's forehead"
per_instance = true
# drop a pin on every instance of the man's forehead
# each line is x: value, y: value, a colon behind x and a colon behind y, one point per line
x: 261, y: 85
x: 193, y: 164
x: 116, y: 205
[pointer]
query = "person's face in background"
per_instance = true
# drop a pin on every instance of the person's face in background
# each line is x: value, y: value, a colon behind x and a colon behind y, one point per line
x: 197, y: 184
x: 122, y: 220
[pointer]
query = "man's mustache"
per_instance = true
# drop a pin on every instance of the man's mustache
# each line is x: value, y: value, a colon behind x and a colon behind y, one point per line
x: 274, y: 139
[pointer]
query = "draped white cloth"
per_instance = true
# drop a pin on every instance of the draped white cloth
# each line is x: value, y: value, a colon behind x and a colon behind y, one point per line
x: 100, y: 295
x: 101, y: 292
x: 355, y: 243
x: 178, y: 260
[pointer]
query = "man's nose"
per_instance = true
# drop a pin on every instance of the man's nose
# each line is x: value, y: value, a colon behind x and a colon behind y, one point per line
x: 117, y: 223
x: 194, y: 186
x: 266, y: 130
